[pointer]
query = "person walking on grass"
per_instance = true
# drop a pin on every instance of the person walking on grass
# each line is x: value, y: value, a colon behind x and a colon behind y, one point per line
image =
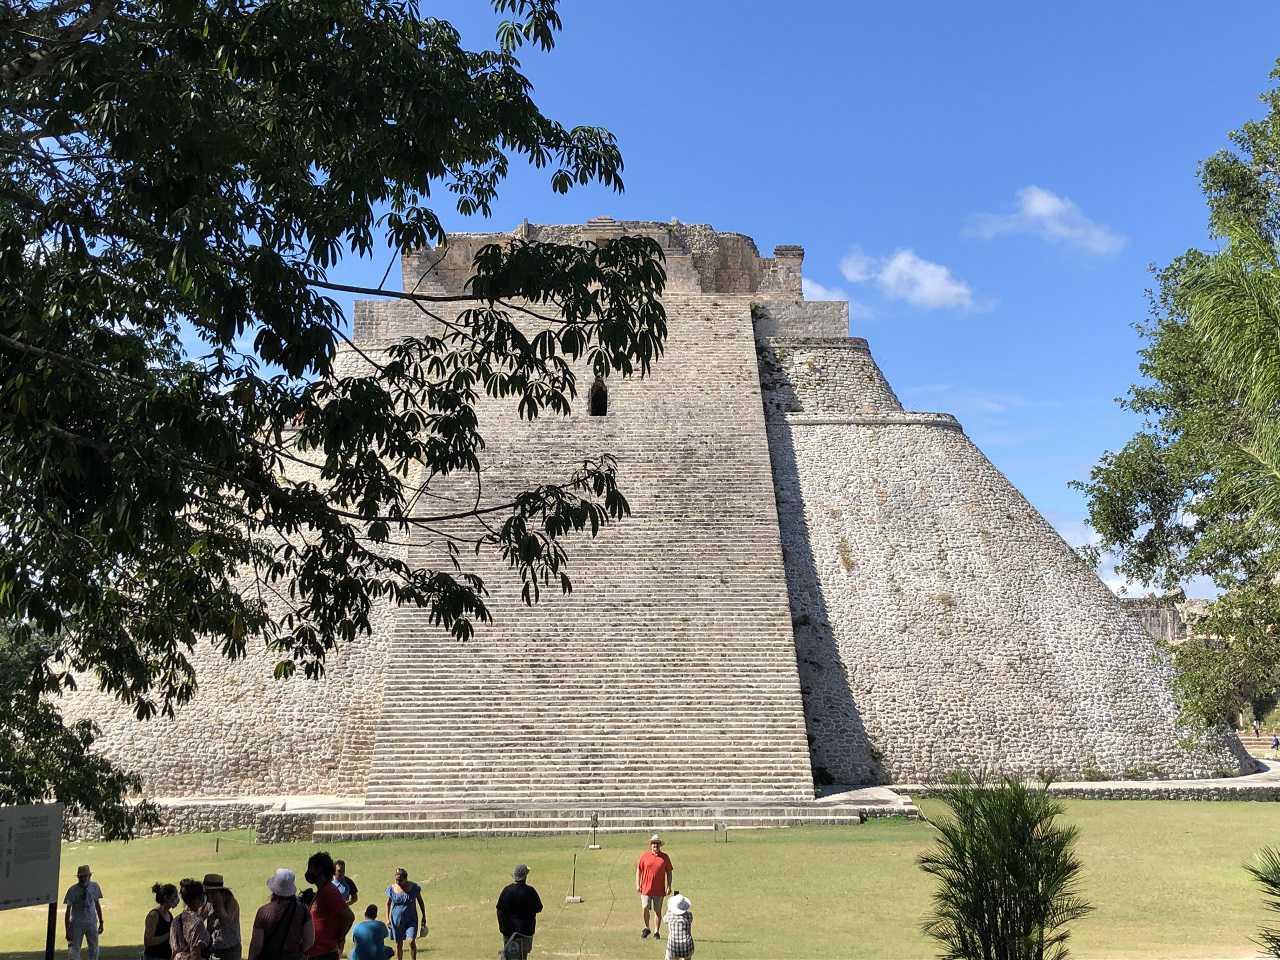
x: 189, y: 937
x: 407, y: 913
x: 222, y: 917
x: 653, y: 883
x: 518, y: 909
x: 82, y: 920
x: 679, y: 928
x: 330, y: 914
x: 155, y: 929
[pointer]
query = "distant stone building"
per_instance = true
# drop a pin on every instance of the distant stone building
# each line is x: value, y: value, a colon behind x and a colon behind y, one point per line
x: 815, y: 584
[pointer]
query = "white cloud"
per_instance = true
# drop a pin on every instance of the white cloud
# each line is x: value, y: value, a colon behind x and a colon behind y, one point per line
x: 813, y: 290
x: 906, y: 276
x: 1046, y: 214
x: 857, y: 267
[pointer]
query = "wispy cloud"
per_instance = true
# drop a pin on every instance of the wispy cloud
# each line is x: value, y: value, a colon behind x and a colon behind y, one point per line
x: 813, y: 290
x: 1045, y: 214
x: 908, y: 277
x: 964, y: 401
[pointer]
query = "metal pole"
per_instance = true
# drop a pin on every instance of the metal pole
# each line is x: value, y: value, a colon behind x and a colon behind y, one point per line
x: 573, y: 884
x: 49, y: 931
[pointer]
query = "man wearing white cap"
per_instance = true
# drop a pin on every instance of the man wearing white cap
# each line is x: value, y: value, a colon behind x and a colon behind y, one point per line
x: 653, y: 882
x: 83, y: 916
x: 282, y: 928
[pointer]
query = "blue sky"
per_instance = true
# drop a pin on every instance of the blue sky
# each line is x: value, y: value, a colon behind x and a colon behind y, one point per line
x: 987, y: 182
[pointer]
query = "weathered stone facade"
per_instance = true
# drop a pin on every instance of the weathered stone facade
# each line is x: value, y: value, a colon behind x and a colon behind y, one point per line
x: 804, y: 557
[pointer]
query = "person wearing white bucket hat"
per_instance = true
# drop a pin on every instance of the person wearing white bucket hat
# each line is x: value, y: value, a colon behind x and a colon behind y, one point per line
x: 679, y: 927
x: 282, y: 928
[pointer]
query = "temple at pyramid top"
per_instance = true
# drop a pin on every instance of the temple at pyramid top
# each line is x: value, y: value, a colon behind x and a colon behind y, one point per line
x: 699, y: 258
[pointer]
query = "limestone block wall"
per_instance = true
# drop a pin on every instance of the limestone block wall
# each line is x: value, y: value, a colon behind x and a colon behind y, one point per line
x: 246, y: 733
x: 699, y: 258
x: 1159, y: 617
x: 941, y: 623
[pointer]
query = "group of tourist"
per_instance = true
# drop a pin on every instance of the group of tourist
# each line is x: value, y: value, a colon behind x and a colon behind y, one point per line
x: 314, y: 923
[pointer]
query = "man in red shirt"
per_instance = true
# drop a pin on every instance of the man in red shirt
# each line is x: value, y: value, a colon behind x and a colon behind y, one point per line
x: 653, y: 882
x: 330, y: 915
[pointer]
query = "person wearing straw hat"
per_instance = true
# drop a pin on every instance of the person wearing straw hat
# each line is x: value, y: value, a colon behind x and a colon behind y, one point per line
x: 653, y: 882
x: 222, y: 916
x: 282, y: 928
x: 82, y: 919
x: 679, y: 927
x: 518, y: 909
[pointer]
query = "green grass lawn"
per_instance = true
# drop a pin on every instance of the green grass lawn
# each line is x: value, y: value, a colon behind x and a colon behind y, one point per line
x: 1165, y: 877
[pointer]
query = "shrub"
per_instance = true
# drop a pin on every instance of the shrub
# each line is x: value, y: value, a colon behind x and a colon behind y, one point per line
x: 1267, y: 873
x: 1008, y: 877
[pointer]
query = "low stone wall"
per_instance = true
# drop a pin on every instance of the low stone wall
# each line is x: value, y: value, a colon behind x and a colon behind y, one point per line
x: 284, y: 826
x: 176, y: 818
x: 1155, y: 790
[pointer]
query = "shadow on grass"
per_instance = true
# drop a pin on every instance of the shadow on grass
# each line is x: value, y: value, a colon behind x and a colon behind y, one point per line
x: 60, y: 952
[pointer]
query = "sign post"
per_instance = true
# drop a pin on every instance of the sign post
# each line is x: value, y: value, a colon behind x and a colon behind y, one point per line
x: 30, y: 851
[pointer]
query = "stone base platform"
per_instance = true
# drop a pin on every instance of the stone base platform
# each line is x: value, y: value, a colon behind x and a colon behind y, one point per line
x: 425, y: 821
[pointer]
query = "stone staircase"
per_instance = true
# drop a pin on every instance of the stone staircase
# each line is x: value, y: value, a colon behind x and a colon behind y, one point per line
x: 416, y: 823
x: 667, y: 679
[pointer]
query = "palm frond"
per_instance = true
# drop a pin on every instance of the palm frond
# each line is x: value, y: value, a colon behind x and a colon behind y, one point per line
x: 1007, y: 876
x: 1233, y: 301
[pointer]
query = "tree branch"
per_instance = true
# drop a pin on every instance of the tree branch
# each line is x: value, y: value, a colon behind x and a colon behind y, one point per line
x: 39, y: 61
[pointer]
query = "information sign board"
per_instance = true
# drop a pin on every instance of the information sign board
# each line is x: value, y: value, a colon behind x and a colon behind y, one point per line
x: 30, y: 847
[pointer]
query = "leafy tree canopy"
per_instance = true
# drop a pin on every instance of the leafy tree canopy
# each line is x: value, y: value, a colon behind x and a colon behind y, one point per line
x: 1196, y: 492
x: 189, y: 170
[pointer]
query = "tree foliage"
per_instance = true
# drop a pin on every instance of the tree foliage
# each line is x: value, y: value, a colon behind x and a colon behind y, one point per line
x: 180, y: 172
x: 1007, y: 874
x: 1196, y: 492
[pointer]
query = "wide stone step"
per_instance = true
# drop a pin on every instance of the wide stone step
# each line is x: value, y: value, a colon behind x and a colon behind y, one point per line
x: 420, y: 820
x: 606, y: 816
x: 429, y: 794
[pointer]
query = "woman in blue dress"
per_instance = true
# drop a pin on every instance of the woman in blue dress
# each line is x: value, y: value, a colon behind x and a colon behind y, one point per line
x: 407, y: 913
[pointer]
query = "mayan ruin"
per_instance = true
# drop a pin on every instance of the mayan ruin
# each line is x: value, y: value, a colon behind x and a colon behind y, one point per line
x: 832, y: 589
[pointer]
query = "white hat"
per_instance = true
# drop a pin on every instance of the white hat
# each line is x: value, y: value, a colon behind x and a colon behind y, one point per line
x: 282, y: 884
x: 678, y: 904
x: 655, y: 839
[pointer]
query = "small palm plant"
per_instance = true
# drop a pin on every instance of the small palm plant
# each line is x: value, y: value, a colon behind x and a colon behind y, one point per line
x: 1008, y: 877
x: 1267, y: 873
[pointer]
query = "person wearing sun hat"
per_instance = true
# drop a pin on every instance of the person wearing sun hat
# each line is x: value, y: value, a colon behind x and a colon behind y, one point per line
x: 653, y: 882
x: 282, y: 928
x: 222, y: 917
x: 679, y: 927
x: 82, y: 920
